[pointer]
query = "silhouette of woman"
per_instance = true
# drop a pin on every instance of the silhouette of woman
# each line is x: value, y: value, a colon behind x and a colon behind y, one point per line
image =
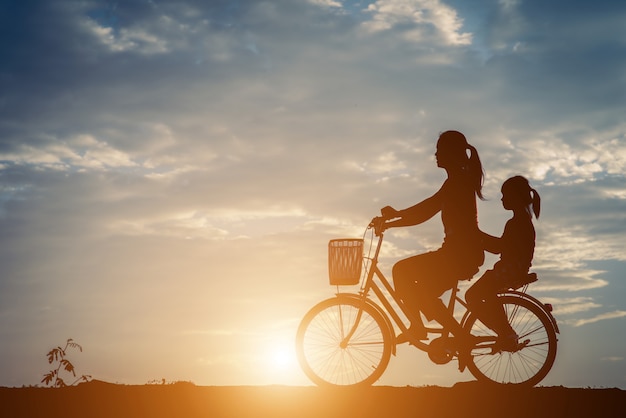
x: 420, y: 280
x: 516, y: 248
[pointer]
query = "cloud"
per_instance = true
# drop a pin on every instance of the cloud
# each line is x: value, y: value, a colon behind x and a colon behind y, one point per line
x: 613, y: 359
x: 327, y: 3
x: 569, y: 306
x: 416, y: 18
x: 128, y: 40
x: 78, y: 153
x: 598, y: 318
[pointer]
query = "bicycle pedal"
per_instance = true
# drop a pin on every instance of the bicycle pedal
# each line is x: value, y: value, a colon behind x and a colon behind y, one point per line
x: 463, y: 359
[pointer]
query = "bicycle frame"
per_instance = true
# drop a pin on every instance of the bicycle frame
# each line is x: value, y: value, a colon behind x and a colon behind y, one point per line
x: 388, y: 310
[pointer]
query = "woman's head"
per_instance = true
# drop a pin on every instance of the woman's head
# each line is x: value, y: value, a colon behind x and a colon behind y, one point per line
x: 517, y: 194
x: 452, y: 154
x: 452, y: 149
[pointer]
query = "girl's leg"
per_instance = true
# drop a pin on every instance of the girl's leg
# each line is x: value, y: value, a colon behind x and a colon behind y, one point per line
x: 482, y: 299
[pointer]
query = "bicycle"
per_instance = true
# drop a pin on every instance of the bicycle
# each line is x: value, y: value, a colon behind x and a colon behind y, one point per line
x: 348, y: 340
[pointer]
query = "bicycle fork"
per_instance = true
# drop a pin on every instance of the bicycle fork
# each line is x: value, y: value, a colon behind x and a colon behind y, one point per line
x: 345, y: 339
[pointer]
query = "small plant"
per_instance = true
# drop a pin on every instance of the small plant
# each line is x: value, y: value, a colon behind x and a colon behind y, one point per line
x: 57, y: 356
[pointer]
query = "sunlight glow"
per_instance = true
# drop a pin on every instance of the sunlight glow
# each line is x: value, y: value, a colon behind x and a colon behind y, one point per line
x: 280, y: 357
x: 278, y: 364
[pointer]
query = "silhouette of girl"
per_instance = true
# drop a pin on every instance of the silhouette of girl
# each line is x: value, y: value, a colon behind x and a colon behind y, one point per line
x: 516, y: 248
x: 420, y: 280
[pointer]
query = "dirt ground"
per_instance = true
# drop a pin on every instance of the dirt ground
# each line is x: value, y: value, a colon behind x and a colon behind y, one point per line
x: 185, y: 400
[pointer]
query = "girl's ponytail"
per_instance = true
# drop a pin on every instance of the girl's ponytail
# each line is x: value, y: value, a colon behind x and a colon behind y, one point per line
x: 536, y: 202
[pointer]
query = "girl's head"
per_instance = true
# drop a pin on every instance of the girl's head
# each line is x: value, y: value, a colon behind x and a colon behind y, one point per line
x: 517, y: 194
x: 452, y: 154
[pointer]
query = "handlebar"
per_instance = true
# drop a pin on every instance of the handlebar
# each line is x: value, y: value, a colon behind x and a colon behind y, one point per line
x: 379, y: 222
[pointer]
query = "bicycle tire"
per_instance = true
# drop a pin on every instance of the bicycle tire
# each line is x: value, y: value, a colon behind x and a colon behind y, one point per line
x: 529, y: 365
x: 362, y: 359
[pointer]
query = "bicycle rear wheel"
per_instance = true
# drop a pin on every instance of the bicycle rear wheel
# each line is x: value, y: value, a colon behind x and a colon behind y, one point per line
x: 343, y: 342
x: 531, y: 362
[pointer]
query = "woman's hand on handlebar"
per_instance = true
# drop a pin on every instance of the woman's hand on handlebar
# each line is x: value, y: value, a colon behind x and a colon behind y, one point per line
x: 389, y: 213
x: 378, y: 223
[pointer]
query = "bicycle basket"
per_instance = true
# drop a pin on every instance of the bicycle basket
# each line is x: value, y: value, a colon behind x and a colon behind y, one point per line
x: 345, y: 260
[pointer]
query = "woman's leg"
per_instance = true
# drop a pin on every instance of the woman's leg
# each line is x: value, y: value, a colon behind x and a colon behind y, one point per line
x: 443, y: 271
x: 405, y: 273
x: 420, y: 281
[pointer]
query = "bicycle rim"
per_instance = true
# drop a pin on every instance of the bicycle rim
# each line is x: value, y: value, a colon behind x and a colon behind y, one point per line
x: 527, y: 366
x: 328, y: 357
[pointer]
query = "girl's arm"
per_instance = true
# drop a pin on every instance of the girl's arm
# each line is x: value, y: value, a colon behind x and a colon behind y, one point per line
x: 491, y: 243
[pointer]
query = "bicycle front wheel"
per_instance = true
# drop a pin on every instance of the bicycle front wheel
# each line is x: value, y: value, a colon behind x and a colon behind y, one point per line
x: 531, y: 362
x: 343, y: 342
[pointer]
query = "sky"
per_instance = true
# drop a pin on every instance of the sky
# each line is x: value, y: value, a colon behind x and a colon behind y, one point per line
x: 172, y: 171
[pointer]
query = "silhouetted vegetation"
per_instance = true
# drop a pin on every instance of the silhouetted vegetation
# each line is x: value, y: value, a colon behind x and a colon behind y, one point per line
x: 58, y: 357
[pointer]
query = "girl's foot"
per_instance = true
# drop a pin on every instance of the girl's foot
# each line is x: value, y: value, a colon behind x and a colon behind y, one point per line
x: 511, y: 343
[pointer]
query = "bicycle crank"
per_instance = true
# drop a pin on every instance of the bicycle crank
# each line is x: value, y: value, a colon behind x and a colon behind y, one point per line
x: 441, y: 350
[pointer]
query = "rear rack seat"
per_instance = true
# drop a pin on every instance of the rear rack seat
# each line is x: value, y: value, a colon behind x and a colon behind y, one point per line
x: 523, y: 281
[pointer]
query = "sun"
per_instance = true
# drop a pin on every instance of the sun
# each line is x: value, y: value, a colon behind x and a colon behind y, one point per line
x: 280, y: 363
x: 281, y: 358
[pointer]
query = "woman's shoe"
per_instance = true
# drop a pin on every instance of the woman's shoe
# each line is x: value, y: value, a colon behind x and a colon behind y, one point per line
x: 413, y: 334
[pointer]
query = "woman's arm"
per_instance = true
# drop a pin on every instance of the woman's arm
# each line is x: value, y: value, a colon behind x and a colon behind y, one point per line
x: 414, y: 215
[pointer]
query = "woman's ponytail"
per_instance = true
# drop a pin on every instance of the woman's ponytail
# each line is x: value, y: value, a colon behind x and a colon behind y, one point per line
x: 476, y: 171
